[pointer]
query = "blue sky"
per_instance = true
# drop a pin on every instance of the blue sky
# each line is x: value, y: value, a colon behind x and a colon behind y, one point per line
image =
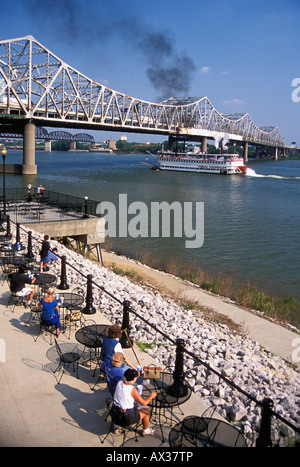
x: 243, y: 55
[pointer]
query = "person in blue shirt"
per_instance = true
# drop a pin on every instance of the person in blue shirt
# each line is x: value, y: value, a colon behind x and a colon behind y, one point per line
x: 50, y: 310
x: 51, y: 256
x: 113, y: 371
x: 111, y: 345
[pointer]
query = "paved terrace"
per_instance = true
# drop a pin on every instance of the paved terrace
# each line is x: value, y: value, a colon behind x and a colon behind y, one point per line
x: 58, y: 216
x: 31, y: 212
x: 37, y: 411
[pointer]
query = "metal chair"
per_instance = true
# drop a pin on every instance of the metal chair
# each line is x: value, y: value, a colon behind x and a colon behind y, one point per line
x: 6, y: 270
x: 195, y: 431
x: 66, y: 359
x: 186, y: 433
x: 84, y: 323
x: 165, y: 402
x: 117, y: 421
x: 15, y: 299
x: 73, y: 319
x: 35, y: 313
x: 48, y: 328
x: 101, y: 378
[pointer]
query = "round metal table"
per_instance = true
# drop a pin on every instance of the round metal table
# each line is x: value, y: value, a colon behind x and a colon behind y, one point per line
x: 44, y: 279
x: 91, y: 336
x: 16, y: 260
x: 195, y: 431
x: 70, y: 299
x: 167, y: 398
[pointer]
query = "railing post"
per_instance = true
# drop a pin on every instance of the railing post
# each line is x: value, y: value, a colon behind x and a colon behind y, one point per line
x: 29, y: 196
x: 63, y: 276
x: 264, y: 437
x: 18, y: 238
x: 125, y: 325
x: 85, y: 215
x: 8, y: 225
x: 29, y: 253
x: 89, y: 309
x: 178, y: 387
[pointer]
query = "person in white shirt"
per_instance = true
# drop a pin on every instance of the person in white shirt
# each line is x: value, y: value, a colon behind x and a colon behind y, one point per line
x: 124, y: 411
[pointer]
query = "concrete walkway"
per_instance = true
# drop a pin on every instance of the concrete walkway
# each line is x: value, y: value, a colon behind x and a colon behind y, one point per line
x: 273, y: 337
x: 36, y: 411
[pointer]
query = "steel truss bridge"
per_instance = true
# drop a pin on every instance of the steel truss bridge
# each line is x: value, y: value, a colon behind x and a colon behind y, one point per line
x: 37, y: 88
x: 57, y: 135
x: 37, y: 85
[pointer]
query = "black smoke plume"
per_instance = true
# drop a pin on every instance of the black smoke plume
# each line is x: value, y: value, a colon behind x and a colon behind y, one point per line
x: 169, y: 71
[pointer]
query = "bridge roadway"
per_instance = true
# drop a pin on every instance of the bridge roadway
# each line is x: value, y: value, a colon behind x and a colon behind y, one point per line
x: 38, y: 89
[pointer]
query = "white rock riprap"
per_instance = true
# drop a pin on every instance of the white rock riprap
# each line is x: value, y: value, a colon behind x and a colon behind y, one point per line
x: 237, y: 358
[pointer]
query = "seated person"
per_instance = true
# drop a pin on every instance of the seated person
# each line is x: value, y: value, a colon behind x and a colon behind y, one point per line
x: 51, y: 256
x: 50, y: 310
x: 124, y: 411
x: 111, y: 345
x: 18, y: 281
x: 114, y: 372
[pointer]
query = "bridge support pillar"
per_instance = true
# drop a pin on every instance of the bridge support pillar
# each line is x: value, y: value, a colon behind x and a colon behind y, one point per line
x: 29, y: 166
x: 204, y: 144
x: 257, y: 152
x: 48, y: 145
x: 246, y: 147
x: 276, y: 154
x: 170, y: 143
x: 73, y: 146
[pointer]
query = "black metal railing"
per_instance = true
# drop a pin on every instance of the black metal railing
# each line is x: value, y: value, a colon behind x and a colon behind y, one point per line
x: 36, y: 203
x: 266, y: 405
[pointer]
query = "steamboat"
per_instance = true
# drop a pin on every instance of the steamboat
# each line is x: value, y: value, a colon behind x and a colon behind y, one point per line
x: 194, y: 161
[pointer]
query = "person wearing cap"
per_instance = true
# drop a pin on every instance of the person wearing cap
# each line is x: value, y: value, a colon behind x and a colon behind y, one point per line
x: 113, y: 371
x: 111, y: 345
x: 124, y: 411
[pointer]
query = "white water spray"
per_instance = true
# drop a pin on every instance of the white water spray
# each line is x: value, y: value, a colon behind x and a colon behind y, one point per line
x: 252, y: 173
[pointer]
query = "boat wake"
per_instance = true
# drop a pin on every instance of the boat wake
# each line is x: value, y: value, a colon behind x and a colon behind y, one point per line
x: 252, y: 173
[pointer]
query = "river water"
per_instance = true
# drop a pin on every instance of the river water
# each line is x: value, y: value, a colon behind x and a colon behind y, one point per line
x: 251, y: 223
